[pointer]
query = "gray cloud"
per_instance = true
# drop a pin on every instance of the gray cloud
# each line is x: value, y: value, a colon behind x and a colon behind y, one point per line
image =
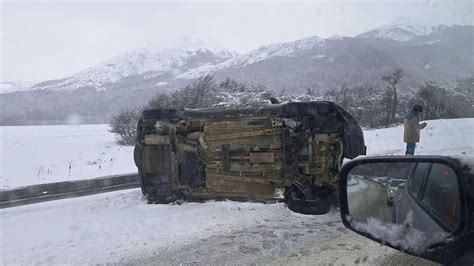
x: 46, y: 40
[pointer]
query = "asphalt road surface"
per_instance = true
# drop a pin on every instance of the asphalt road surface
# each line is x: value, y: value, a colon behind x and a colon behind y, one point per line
x: 369, y: 201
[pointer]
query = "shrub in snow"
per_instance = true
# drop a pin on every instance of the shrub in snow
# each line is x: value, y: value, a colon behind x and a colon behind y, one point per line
x: 124, y: 125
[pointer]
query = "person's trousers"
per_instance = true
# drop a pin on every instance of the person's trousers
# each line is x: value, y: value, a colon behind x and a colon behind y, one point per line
x: 410, y: 149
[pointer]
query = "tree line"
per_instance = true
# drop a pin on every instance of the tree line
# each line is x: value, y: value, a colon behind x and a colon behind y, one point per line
x: 375, y: 107
x: 371, y: 106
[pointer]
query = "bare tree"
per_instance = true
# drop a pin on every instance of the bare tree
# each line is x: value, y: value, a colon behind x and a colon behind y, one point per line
x: 162, y: 100
x: 439, y: 103
x: 393, y: 79
x: 124, y: 124
x: 312, y: 91
x: 426, y: 94
x: 342, y: 97
x: 198, y: 94
x: 387, y: 102
x: 203, y: 92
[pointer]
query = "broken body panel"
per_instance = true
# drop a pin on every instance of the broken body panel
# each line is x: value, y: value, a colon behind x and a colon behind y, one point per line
x: 245, y: 153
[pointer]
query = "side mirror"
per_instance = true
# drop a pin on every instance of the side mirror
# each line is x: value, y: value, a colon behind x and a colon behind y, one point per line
x: 418, y: 209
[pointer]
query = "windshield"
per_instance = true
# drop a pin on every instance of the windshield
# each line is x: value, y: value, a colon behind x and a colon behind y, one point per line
x: 214, y: 132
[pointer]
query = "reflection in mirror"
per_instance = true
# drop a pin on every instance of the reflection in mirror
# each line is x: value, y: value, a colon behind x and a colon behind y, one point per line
x: 409, y: 205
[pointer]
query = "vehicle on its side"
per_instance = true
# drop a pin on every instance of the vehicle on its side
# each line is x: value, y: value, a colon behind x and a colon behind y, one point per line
x: 433, y: 213
x: 392, y: 188
x: 247, y: 153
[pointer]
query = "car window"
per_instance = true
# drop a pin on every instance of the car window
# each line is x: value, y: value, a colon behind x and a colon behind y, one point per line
x: 415, y: 181
x: 441, y: 195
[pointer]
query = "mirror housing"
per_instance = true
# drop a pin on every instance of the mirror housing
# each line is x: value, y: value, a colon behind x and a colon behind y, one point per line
x: 440, y: 252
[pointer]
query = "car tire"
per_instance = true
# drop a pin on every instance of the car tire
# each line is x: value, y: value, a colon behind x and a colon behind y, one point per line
x: 318, y: 206
x: 137, y: 156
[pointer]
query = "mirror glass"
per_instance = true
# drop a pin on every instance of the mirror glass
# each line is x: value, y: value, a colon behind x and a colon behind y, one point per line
x: 409, y: 205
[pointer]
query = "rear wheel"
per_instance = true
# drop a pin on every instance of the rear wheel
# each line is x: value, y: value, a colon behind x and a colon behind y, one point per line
x: 137, y: 157
x: 297, y: 202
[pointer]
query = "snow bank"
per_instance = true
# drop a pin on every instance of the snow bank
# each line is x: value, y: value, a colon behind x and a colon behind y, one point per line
x: 44, y: 154
x: 403, y: 235
x: 440, y: 137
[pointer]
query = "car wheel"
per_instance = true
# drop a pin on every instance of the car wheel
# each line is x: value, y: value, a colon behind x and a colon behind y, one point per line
x: 297, y: 203
x: 137, y: 156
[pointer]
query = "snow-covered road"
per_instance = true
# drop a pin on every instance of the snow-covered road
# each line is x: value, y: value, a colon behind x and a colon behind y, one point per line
x: 119, y: 227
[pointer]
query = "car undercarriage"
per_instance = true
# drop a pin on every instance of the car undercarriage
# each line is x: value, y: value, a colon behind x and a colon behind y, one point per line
x: 247, y: 153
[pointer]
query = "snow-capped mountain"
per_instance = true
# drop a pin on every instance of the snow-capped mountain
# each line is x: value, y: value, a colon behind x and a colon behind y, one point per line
x: 289, y: 49
x: 12, y: 86
x: 149, y: 63
x: 399, y: 30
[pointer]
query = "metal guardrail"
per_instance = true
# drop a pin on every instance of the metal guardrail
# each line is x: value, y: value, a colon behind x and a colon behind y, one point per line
x: 68, y: 189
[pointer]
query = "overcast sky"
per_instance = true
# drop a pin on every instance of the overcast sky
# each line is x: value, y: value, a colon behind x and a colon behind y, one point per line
x: 48, y: 40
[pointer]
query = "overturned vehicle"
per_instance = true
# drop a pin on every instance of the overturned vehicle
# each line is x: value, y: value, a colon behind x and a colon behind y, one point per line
x: 293, y: 150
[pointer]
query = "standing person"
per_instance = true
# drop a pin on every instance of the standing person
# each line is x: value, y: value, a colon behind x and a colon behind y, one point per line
x: 412, y: 129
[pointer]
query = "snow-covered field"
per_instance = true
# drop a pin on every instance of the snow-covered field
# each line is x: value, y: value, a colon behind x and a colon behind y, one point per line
x: 445, y: 137
x: 119, y: 227
x: 44, y: 154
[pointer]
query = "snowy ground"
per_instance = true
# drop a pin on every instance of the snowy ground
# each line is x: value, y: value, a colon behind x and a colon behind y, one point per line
x: 119, y: 227
x: 43, y: 154
x: 446, y: 137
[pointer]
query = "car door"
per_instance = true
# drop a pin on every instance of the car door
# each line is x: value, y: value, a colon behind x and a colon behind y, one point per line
x: 440, y: 198
x: 422, y: 196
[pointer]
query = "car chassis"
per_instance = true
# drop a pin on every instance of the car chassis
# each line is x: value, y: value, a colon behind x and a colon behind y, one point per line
x: 246, y: 153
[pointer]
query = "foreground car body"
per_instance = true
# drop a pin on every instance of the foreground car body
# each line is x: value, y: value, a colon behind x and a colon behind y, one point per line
x: 432, y: 215
x: 247, y: 154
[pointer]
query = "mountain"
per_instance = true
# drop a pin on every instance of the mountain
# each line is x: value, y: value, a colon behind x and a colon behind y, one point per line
x: 141, y: 68
x: 442, y: 53
x: 401, y: 30
x: 264, y: 53
x: 12, y: 86
x: 445, y: 54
